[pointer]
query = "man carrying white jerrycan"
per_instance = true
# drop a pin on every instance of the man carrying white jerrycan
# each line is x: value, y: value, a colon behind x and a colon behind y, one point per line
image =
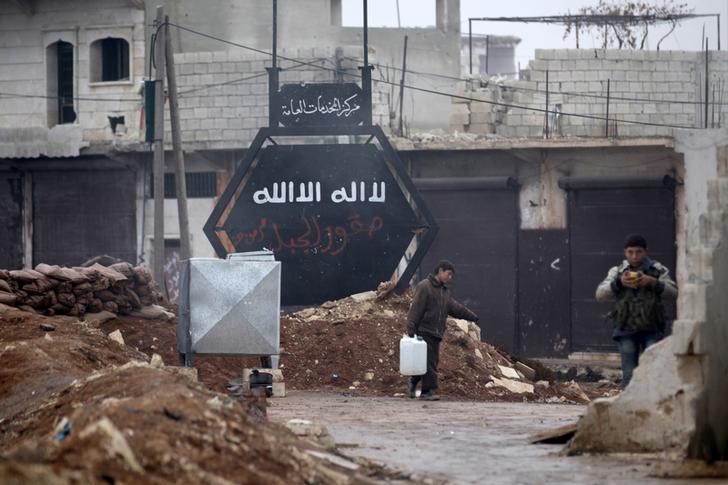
x: 427, y: 315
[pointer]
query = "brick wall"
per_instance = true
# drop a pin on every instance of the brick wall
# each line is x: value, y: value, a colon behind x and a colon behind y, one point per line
x: 660, y: 88
x: 222, y: 105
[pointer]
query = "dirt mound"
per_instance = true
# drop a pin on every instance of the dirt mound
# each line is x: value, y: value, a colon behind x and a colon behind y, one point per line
x: 78, y: 407
x: 352, y: 344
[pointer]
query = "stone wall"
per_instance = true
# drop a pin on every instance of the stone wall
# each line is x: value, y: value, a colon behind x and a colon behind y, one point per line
x: 647, y: 87
x: 223, y: 97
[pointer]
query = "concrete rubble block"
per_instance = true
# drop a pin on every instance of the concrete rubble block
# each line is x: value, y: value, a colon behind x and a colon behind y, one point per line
x: 153, y: 312
x: 365, y: 296
x: 117, y: 337
x: 113, y: 442
x: 516, y: 387
x: 528, y: 372
x: 479, y: 354
x: 156, y: 361
x: 688, y: 337
x: 461, y: 324
x: 312, y: 431
x: 654, y: 413
x: 509, y: 372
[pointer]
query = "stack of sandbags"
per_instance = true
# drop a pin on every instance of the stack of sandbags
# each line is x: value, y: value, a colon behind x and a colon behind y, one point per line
x: 119, y: 288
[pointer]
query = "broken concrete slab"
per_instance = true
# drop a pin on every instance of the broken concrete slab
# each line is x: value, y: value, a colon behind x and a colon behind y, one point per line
x: 365, y: 296
x: 509, y: 372
x: 514, y: 386
x: 559, y: 435
x: 528, y: 372
x: 117, y: 337
x: 99, y: 318
x: 153, y: 312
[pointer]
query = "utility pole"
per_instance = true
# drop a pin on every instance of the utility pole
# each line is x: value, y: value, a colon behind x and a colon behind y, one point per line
x: 401, y: 88
x: 158, y: 261
x: 179, y: 157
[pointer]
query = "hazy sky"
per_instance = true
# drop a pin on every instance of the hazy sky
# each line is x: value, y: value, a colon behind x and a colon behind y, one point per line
x: 422, y: 13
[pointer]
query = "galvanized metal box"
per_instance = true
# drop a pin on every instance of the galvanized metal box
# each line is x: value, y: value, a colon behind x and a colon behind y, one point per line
x: 230, y: 307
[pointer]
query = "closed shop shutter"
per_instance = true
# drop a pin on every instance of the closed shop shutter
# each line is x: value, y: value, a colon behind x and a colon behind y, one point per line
x: 11, y: 221
x: 478, y: 219
x: 81, y: 214
x: 601, y: 213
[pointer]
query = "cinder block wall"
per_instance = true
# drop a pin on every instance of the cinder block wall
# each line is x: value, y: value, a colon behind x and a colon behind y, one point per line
x: 223, y: 96
x: 647, y: 87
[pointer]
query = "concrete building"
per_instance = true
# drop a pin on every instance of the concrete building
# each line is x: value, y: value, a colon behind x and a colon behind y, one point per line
x: 491, y: 55
x: 70, y: 74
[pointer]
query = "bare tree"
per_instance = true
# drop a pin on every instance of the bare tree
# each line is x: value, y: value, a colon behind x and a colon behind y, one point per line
x: 625, y: 24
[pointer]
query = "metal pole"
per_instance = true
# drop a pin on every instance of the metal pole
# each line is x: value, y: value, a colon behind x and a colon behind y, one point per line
x: 179, y: 157
x: 470, y: 44
x: 366, y: 73
x: 706, y: 82
x: 273, y: 73
x: 717, y: 22
x: 158, y: 245
x: 547, y: 103
x: 487, y: 48
x: 606, y: 123
x: 401, y: 87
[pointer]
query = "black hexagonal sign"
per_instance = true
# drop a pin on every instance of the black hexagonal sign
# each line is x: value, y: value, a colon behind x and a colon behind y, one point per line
x: 337, y: 216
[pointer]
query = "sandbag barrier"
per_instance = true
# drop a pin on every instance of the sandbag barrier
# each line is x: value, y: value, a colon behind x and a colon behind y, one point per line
x: 57, y: 290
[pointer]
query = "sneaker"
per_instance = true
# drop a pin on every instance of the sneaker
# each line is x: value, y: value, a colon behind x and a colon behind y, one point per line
x: 429, y: 396
x: 411, y: 388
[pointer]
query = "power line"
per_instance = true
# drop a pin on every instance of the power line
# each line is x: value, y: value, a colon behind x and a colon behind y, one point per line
x: 19, y: 95
x: 440, y: 93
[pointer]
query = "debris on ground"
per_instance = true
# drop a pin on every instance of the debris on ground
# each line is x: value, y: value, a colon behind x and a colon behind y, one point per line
x: 352, y: 345
x: 78, y: 407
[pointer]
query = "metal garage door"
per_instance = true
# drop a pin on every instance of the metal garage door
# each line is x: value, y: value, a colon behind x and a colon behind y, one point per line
x: 81, y: 214
x: 478, y: 219
x: 11, y: 221
x: 601, y: 214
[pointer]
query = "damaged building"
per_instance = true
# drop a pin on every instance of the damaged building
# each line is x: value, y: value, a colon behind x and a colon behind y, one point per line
x: 533, y: 183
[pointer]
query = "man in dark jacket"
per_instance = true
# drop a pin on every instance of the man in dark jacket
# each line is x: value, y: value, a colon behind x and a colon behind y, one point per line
x: 427, y: 316
x: 637, y: 286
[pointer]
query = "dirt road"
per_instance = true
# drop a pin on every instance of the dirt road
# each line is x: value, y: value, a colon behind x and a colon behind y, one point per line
x: 461, y: 442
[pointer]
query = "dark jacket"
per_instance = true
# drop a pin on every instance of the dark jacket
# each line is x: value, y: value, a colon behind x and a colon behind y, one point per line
x: 637, y: 309
x: 431, y: 306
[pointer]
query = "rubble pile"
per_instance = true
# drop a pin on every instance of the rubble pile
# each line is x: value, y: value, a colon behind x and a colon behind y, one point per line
x: 352, y: 345
x: 78, y: 407
x: 55, y: 290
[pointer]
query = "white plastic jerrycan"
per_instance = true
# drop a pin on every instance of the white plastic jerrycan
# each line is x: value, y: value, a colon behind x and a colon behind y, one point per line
x: 412, y: 356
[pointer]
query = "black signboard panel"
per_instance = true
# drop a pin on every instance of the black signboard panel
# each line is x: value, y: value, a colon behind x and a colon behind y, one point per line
x: 333, y: 214
x: 323, y: 104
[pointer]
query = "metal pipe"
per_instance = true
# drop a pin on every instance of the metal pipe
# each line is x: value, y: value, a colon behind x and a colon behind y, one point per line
x: 547, y: 103
x: 366, y: 39
x: 401, y: 88
x: 706, y: 82
x: 606, y: 123
x: 275, y: 34
x: 470, y: 44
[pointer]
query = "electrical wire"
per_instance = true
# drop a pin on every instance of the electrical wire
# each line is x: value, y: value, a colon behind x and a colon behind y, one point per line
x: 440, y: 93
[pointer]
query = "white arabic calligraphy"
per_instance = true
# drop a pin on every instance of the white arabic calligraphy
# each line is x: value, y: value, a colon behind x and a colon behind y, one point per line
x: 282, y: 192
x: 340, y: 195
x: 336, y: 106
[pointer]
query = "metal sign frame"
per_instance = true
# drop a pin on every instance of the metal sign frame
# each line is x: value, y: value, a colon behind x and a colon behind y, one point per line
x: 427, y: 229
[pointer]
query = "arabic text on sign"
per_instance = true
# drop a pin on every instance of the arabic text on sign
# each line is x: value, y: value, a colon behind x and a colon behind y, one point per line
x: 282, y: 192
x: 340, y: 108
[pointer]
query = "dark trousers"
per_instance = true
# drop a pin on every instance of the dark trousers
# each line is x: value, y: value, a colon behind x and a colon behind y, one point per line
x: 630, y: 348
x: 429, y: 380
